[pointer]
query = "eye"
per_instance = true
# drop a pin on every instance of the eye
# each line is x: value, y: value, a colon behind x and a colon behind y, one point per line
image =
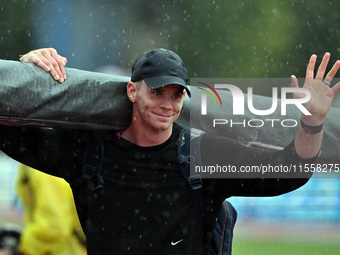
x: 177, y: 95
x: 155, y: 92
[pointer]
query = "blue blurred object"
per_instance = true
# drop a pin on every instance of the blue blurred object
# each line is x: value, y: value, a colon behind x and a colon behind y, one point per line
x: 318, y: 200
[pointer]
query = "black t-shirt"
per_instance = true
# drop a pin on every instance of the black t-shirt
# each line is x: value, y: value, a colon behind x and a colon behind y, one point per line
x: 146, y: 205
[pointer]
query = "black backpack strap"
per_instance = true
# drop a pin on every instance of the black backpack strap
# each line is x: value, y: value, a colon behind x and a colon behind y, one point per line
x: 187, y: 154
x: 222, y: 234
x: 93, y: 159
x: 195, y: 182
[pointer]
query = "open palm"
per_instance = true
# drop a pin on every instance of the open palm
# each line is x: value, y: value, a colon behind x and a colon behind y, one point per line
x: 321, y: 93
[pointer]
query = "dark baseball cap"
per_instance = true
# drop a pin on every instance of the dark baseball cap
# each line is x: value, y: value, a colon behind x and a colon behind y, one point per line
x: 159, y: 68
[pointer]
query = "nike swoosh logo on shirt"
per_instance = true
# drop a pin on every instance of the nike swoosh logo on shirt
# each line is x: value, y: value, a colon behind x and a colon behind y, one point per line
x: 175, y: 243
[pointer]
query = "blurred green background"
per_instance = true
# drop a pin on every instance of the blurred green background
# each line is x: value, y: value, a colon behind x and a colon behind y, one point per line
x: 227, y: 38
x: 230, y: 38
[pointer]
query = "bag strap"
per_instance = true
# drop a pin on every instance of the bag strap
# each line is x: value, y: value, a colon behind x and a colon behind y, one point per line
x: 93, y: 159
x: 222, y: 234
x: 189, y: 136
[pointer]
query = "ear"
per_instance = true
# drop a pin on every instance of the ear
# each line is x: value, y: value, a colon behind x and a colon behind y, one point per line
x: 131, y: 89
x: 184, y: 92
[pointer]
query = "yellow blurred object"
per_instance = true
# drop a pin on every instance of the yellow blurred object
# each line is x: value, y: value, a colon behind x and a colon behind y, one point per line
x: 51, y: 221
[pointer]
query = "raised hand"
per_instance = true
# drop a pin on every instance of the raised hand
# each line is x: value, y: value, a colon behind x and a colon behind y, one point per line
x: 322, y: 94
x: 310, y: 133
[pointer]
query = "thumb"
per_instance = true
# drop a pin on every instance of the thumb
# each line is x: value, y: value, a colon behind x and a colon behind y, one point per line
x: 336, y: 88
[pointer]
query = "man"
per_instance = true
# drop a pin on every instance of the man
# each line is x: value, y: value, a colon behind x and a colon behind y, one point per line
x: 146, y: 206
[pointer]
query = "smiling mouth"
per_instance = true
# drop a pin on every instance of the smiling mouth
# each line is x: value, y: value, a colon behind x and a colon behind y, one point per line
x: 163, y: 117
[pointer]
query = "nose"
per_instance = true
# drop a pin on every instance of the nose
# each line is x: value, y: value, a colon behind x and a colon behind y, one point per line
x: 166, y: 104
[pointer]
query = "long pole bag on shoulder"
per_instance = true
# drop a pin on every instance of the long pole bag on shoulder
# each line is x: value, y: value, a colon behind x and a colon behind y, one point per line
x: 89, y: 100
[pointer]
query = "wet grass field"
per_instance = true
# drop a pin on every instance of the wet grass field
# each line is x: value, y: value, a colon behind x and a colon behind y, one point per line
x: 290, y: 239
x: 261, y: 247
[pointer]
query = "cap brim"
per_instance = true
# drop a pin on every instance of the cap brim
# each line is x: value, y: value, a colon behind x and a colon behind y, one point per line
x: 157, y: 82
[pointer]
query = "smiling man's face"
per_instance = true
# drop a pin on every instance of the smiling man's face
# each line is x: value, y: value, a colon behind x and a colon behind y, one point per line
x: 157, y: 109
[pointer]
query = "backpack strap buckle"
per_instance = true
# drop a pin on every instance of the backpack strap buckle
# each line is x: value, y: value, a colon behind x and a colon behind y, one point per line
x: 88, y: 171
x: 195, y: 182
x: 186, y: 159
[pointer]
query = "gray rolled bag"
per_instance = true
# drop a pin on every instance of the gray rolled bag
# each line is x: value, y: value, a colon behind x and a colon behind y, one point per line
x: 89, y: 100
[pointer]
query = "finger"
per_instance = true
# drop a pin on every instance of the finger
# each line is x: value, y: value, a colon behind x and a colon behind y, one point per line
x: 61, y: 63
x: 310, y: 67
x: 59, y: 74
x: 336, y: 88
x: 51, y: 64
x: 330, y: 75
x: 64, y: 61
x: 34, y: 58
x: 323, y: 65
x: 294, y: 82
x: 40, y: 63
x: 55, y: 72
x: 51, y: 58
x: 50, y: 54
